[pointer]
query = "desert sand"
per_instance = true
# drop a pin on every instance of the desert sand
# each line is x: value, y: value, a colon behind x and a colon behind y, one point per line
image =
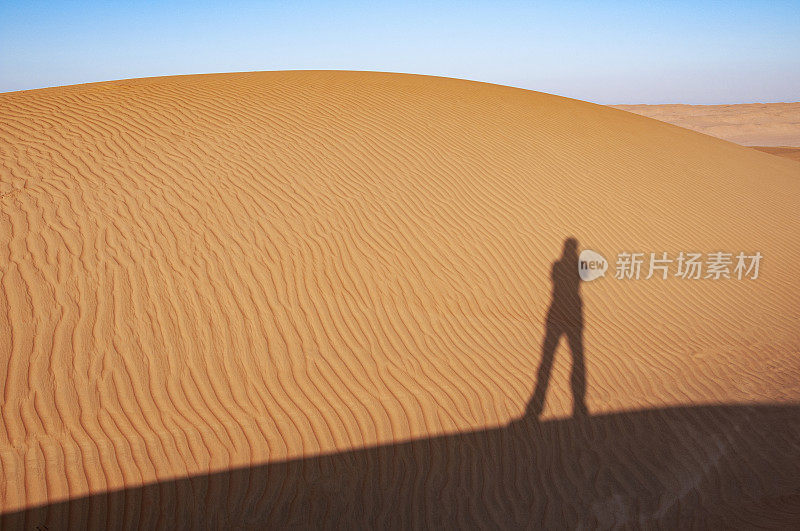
x: 319, y: 299
x: 792, y: 153
x: 769, y: 127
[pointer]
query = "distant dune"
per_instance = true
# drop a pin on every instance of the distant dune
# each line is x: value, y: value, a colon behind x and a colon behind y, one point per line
x: 320, y: 299
x: 788, y: 152
x: 768, y: 125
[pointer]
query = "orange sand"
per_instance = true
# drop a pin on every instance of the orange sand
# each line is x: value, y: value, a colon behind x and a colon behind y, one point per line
x: 214, y: 273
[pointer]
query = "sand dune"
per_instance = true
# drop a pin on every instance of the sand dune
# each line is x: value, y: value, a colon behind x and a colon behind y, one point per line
x: 267, y: 275
x: 788, y: 152
x: 749, y: 124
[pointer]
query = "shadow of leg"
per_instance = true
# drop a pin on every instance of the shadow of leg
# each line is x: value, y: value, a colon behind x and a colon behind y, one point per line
x: 536, y: 405
x: 578, y: 376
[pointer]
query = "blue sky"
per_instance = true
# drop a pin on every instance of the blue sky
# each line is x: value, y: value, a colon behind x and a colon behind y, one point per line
x: 605, y: 52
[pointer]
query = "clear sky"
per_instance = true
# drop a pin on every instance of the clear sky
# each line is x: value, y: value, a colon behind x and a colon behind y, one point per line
x: 605, y: 52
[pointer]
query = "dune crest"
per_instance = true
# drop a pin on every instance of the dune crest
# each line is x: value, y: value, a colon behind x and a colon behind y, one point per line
x: 201, y: 273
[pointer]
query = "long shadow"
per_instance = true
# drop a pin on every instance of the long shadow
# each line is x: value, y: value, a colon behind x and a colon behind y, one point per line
x: 717, y: 466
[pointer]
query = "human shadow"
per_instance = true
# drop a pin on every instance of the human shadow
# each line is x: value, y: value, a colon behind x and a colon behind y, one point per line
x: 564, y: 318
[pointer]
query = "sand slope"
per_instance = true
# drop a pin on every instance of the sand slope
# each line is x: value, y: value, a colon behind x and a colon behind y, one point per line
x: 205, y: 273
x: 788, y: 152
x: 749, y: 124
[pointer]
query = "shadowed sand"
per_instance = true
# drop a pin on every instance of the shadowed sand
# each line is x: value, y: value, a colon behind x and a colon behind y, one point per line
x: 207, y: 274
x: 710, y: 466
